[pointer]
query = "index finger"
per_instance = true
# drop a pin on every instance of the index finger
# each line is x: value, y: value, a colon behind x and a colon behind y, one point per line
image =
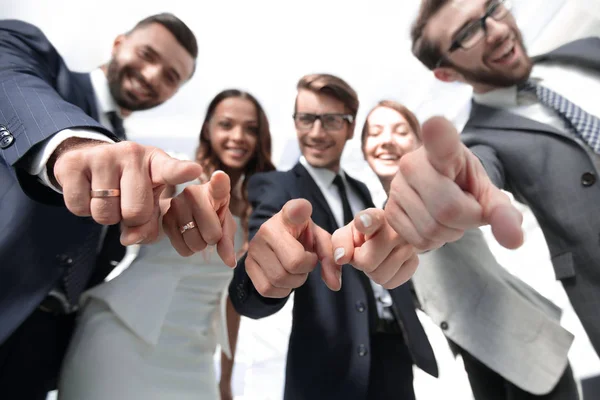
x: 166, y: 170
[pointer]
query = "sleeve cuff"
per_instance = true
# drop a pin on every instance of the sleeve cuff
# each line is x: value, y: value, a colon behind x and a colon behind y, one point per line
x: 38, y: 163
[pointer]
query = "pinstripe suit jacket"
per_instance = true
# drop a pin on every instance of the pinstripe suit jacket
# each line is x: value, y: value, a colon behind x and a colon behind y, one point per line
x: 558, y: 177
x: 39, y: 238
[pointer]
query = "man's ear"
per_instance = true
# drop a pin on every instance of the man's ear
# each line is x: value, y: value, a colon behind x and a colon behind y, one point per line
x: 351, y: 130
x: 446, y: 74
x: 117, y: 43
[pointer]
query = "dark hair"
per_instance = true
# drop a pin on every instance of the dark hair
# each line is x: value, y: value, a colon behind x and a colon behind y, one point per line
x: 423, y: 48
x: 333, y: 86
x: 408, y: 115
x: 177, y: 27
x: 260, y: 161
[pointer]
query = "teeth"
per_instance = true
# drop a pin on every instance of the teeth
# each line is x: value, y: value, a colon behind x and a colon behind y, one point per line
x: 392, y: 157
x: 138, y: 87
x: 239, y: 152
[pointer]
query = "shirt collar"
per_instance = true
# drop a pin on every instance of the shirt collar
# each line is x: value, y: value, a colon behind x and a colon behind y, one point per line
x: 499, y: 98
x: 508, y: 96
x: 104, y: 100
x: 323, y: 176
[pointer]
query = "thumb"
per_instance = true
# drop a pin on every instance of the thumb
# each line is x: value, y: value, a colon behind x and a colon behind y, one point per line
x: 503, y: 217
x: 166, y: 170
x: 345, y: 240
x: 219, y: 189
x: 295, y: 216
x: 225, y: 246
x: 331, y: 273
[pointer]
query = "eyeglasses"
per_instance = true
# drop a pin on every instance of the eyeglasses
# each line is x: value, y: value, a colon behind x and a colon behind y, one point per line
x: 330, y: 122
x: 472, y: 33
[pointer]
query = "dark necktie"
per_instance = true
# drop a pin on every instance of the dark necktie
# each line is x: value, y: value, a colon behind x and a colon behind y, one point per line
x: 117, y: 124
x: 339, y: 183
x: 403, y: 307
x: 584, y: 125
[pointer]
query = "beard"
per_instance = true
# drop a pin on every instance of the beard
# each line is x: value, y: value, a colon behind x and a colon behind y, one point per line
x: 497, y: 78
x: 116, y: 74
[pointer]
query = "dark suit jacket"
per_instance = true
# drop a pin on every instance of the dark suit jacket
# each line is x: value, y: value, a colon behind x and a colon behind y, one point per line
x: 557, y: 177
x: 328, y: 355
x: 39, y: 238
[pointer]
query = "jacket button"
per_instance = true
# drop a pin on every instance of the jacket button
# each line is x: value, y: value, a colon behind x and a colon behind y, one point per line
x: 362, y: 350
x: 360, y: 306
x: 64, y: 259
x: 6, y: 138
x: 588, y: 179
x: 444, y: 325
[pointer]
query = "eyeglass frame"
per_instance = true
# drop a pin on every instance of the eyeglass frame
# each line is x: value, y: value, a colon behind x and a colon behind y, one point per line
x: 456, y: 43
x: 349, y: 118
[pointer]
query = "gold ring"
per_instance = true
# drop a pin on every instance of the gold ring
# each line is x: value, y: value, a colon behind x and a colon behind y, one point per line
x: 188, y: 226
x: 105, y: 193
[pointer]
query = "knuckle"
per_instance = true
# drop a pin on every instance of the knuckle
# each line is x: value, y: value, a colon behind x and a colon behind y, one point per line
x: 131, y: 150
x: 78, y: 208
x: 294, y: 262
x: 137, y: 210
x: 264, y: 288
x: 280, y: 278
x: 266, y: 230
x: 447, y: 211
x: 422, y: 243
x: 432, y: 229
x: 189, y: 193
x: 406, y: 166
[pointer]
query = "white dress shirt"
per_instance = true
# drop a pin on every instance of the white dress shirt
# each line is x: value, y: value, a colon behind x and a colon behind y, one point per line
x: 324, y: 177
x: 104, y: 103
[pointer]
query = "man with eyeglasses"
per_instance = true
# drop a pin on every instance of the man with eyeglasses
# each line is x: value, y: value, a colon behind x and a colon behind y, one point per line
x: 534, y: 130
x: 357, y: 340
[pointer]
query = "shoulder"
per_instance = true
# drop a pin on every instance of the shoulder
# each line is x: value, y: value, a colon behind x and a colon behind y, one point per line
x: 27, y: 34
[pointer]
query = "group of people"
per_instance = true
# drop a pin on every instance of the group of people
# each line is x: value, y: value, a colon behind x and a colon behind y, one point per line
x: 227, y: 235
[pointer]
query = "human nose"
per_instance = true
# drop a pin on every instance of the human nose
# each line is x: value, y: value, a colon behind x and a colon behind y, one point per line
x: 317, y: 129
x: 496, y: 31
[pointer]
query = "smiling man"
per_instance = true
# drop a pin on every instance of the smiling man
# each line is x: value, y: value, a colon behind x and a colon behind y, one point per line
x: 535, y: 129
x: 359, y: 340
x: 59, y: 163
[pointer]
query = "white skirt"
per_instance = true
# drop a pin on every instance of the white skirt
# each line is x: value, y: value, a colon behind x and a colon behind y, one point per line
x: 107, y: 361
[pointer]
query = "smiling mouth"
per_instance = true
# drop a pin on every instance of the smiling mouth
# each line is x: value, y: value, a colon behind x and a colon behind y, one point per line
x: 388, y: 157
x: 237, y: 152
x: 318, y: 148
x: 139, y: 89
x: 507, y: 52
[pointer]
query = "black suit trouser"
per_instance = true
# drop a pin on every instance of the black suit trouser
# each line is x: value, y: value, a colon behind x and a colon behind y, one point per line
x: 488, y: 385
x: 391, y: 373
x: 30, y: 359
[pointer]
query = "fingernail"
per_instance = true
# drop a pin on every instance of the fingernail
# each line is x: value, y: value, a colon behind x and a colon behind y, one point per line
x: 140, y: 241
x: 338, y: 253
x: 338, y: 273
x: 366, y: 220
x: 214, y: 173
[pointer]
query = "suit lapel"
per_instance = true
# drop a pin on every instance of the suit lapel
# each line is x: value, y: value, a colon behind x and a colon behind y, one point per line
x: 308, y: 186
x: 83, y: 88
x: 583, y: 52
x: 483, y: 116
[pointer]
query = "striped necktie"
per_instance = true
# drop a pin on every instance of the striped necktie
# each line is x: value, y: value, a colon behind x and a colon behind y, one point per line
x: 584, y: 125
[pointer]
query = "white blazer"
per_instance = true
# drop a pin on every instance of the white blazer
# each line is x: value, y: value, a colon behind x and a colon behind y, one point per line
x: 492, y: 314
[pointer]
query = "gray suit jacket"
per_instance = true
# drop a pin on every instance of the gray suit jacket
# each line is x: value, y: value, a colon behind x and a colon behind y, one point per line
x: 496, y: 317
x: 557, y: 177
